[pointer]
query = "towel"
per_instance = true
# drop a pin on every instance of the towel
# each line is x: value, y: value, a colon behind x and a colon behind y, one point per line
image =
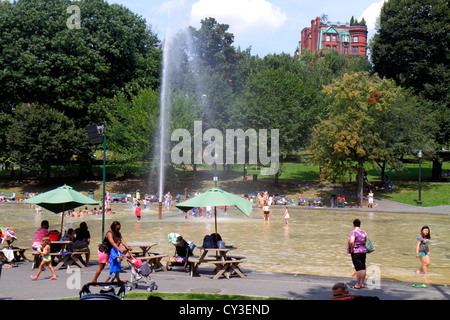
x: 9, y: 254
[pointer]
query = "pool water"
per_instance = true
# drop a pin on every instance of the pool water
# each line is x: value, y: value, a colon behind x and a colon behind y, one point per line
x: 314, y: 242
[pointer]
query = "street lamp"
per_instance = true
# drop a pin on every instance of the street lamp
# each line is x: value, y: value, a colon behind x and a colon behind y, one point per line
x: 97, y: 135
x: 419, y: 154
x: 215, y: 169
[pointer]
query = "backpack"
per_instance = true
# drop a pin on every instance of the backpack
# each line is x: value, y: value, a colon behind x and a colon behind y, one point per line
x: 145, y: 269
x: 209, y: 241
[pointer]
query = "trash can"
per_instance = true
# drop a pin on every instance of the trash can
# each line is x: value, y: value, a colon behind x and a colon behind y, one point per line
x: 91, y: 193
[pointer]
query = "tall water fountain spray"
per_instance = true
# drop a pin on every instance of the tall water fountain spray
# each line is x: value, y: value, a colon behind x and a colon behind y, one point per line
x: 169, y: 70
x: 164, y: 119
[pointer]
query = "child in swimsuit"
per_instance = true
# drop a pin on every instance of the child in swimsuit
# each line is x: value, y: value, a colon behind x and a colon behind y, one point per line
x: 46, y: 258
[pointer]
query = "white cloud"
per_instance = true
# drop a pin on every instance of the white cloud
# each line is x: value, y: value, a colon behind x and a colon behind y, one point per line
x: 243, y: 16
x: 371, y: 14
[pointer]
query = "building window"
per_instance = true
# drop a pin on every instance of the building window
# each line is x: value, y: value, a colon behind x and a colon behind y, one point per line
x: 327, y: 38
x: 345, y: 50
x: 346, y: 38
x: 355, y: 50
x: 334, y: 38
x: 355, y: 38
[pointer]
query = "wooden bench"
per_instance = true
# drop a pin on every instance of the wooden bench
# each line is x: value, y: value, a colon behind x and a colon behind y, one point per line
x: 227, y: 267
x: 19, y: 254
x: 154, y: 261
x: 194, y: 262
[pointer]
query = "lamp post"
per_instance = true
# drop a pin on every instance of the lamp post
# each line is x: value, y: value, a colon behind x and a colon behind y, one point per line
x: 215, y: 169
x: 419, y: 154
x: 97, y: 135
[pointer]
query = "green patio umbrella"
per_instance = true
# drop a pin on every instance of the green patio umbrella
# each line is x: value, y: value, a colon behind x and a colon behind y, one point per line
x: 216, y: 197
x: 61, y: 199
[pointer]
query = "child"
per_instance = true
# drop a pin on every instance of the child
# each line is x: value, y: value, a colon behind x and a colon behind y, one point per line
x: 286, y: 215
x: 46, y: 258
x: 137, y: 211
x: 115, y: 263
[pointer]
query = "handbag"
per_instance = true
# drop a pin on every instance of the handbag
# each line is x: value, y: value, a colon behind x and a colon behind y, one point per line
x: 370, y: 247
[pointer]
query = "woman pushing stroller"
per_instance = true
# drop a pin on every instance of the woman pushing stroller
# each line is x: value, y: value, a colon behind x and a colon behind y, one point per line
x: 104, y: 249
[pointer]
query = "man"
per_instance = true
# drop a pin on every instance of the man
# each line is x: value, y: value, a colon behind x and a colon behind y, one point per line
x: 340, y: 292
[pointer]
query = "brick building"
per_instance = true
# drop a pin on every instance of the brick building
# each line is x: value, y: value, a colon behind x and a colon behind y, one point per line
x: 345, y: 38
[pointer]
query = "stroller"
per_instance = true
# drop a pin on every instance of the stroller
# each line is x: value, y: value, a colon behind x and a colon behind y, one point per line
x: 183, y: 250
x: 140, y: 271
x: 107, y: 291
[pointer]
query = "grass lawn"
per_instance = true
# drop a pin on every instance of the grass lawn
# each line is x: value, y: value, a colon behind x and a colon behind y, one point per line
x: 432, y: 194
x: 192, y: 296
x: 187, y: 296
x: 293, y: 174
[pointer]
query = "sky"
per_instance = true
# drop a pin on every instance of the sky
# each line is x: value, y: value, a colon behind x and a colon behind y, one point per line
x: 265, y: 26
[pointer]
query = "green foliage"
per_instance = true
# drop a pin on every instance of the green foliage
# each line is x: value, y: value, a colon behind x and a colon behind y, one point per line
x: 41, y: 136
x: 46, y: 63
x: 412, y: 47
x: 362, y: 122
x: 131, y: 121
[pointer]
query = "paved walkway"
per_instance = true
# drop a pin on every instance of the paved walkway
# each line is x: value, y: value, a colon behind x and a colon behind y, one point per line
x: 391, y: 206
x: 15, y: 284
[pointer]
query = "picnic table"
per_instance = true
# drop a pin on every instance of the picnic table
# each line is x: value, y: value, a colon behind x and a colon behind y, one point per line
x: 152, y: 258
x: 224, y: 264
x: 19, y: 253
x: 63, y: 257
x: 144, y: 246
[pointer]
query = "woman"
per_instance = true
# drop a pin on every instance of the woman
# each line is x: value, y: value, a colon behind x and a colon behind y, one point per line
x: 105, y: 247
x: 82, y: 240
x: 40, y: 234
x: 357, y: 248
x: 422, y: 249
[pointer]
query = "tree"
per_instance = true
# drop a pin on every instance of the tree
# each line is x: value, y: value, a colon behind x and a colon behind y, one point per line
x: 131, y: 121
x: 412, y: 47
x: 40, y: 136
x: 352, y: 133
x: 47, y: 63
x: 276, y: 97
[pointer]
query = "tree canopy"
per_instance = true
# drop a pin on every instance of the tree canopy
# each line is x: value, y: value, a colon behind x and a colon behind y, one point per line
x: 412, y: 46
x: 45, y: 62
x: 363, y: 116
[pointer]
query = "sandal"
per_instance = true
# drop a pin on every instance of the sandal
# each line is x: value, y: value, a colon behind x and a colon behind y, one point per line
x: 33, y: 277
x: 52, y: 278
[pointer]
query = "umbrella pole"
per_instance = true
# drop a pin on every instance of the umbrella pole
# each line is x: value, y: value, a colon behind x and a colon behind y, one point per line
x: 215, y: 220
x: 215, y: 228
x: 62, y: 220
